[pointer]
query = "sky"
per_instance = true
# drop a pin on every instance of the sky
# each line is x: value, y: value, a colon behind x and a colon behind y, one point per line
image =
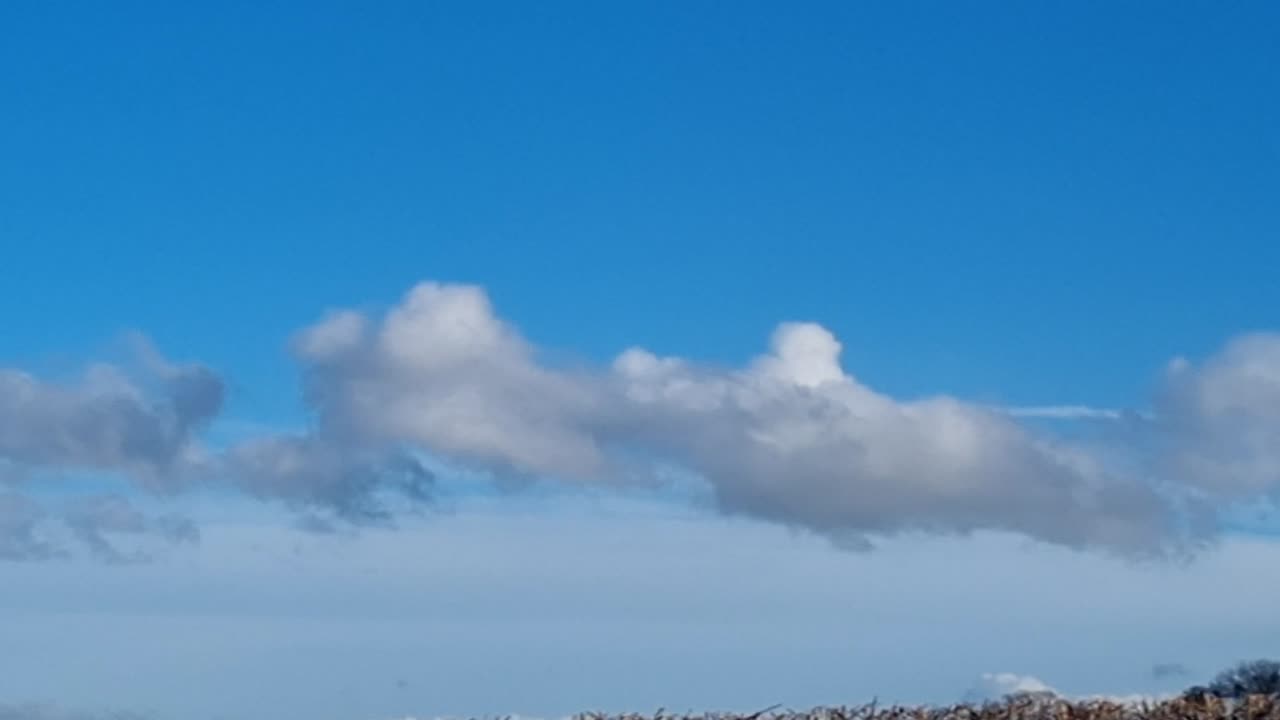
x: 416, y: 360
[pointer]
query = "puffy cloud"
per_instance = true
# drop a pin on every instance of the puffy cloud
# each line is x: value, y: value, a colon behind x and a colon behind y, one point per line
x: 794, y: 439
x: 790, y: 437
x: 442, y: 372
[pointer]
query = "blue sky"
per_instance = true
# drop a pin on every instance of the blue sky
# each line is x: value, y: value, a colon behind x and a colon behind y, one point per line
x: 969, y: 208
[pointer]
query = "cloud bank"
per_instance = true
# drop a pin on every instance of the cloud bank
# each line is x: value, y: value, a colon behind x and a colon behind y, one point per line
x: 790, y: 437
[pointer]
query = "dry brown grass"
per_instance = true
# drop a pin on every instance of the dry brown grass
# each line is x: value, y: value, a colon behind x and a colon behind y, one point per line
x: 1253, y: 707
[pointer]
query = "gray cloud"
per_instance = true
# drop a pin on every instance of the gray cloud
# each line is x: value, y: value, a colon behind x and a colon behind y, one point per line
x: 141, y: 426
x: 107, y: 421
x: 327, y: 475
x: 144, y: 426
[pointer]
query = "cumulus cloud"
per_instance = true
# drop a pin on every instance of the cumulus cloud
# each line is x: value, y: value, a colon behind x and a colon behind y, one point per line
x: 790, y: 437
x: 441, y: 371
x: 795, y: 439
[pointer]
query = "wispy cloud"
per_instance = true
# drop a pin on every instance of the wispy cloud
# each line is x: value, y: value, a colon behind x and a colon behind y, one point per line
x: 1064, y: 412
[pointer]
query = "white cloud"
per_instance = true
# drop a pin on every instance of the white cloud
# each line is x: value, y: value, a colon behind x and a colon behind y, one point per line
x: 791, y: 437
x: 442, y: 372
